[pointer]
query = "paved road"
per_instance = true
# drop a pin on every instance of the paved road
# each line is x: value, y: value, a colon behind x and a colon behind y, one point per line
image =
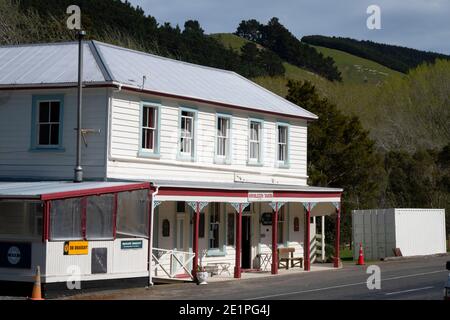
x: 422, y: 278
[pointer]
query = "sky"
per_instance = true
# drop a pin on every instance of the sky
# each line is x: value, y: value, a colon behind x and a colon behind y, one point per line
x: 419, y: 24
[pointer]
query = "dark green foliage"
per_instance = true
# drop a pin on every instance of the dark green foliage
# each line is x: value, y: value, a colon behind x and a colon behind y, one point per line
x: 260, y: 62
x: 281, y: 41
x: 114, y: 20
x: 340, y: 154
x: 395, y: 57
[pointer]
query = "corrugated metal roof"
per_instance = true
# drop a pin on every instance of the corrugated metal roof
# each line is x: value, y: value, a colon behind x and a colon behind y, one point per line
x: 36, y: 189
x: 46, y: 64
x: 240, y: 186
x: 57, y: 64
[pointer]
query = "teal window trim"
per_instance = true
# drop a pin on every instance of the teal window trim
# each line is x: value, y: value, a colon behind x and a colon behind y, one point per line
x: 251, y: 162
x: 145, y: 153
x: 286, y: 164
x: 34, y: 146
x: 193, y: 156
x: 227, y: 159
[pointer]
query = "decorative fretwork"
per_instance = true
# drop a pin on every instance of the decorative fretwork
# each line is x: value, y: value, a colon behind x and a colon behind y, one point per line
x: 201, y: 205
x: 274, y: 205
x: 156, y: 204
x: 309, y: 205
x: 236, y: 205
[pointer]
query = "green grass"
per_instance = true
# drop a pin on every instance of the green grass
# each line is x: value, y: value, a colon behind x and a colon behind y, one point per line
x: 230, y: 40
x: 357, y: 70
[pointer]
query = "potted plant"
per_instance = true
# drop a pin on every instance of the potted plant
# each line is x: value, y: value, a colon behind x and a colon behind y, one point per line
x: 202, y: 275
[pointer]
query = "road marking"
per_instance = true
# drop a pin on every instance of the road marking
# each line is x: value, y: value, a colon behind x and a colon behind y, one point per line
x: 344, y: 285
x: 407, y: 291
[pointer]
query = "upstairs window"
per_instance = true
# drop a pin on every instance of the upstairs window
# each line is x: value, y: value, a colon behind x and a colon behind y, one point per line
x: 187, y: 134
x: 283, y: 137
x: 223, y: 142
x: 149, y: 144
x: 255, y: 142
x: 149, y: 128
x: 47, y: 122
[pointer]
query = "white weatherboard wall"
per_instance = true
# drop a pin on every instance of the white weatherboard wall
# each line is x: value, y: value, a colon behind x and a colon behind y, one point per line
x: 414, y: 231
x: 125, y: 163
x: 17, y: 161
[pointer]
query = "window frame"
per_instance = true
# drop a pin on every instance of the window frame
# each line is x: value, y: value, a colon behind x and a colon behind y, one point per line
x: 282, y: 164
x: 228, y: 147
x: 36, y: 100
x: 221, y: 250
x: 252, y: 161
x: 182, y: 156
x: 148, y: 153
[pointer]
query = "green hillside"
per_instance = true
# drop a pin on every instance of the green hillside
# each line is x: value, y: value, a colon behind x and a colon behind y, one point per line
x: 357, y: 70
x: 354, y: 70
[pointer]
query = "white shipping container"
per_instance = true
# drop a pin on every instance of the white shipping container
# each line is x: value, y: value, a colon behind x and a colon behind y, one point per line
x: 414, y: 231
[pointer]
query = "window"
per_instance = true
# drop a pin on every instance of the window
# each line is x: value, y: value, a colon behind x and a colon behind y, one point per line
x: 99, y: 217
x: 181, y: 206
x: 132, y: 214
x: 230, y: 229
x: 255, y: 142
x: 149, y: 128
x: 283, y: 144
x: 47, y: 122
x: 201, y: 226
x: 223, y: 138
x: 296, y: 224
x: 280, y: 226
x: 214, y: 226
x: 20, y: 220
x: 166, y: 228
x: 187, y: 133
x: 65, y: 219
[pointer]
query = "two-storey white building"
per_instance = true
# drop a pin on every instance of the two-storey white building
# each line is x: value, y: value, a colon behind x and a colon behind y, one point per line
x: 226, y: 159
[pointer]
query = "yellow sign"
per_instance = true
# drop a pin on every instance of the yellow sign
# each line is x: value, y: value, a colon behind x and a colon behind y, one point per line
x: 76, y: 248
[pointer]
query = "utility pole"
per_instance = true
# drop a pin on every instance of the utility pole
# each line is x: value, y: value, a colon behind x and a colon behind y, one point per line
x: 78, y: 169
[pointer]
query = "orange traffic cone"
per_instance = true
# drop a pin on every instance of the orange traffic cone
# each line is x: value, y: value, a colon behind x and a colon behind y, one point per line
x: 37, y: 294
x: 361, y: 255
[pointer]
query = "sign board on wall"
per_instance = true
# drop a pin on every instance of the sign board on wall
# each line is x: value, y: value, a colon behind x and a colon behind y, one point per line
x: 15, y: 255
x: 131, y: 244
x: 76, y: 248
x: 260, y: 197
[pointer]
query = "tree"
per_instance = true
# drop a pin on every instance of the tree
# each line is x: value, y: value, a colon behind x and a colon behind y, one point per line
x: 340, y: 154
x: 250, y: 30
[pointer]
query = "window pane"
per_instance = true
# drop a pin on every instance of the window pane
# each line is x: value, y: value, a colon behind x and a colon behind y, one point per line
x: 214, y: 226
x: 230, y: 229
x: 54, y: 134
x: 54, y: 112
x: 19, y: 220
x: 181, y: 206
x: 44, y: 134
x: 65, y: 219
x: 99, y: 217
x: 44, y: 112
x: 201, y: 228
x: 132, y: 214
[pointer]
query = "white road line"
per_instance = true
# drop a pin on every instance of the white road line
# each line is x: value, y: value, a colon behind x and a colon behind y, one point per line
x: 344, y: 285
x: 407, y: 291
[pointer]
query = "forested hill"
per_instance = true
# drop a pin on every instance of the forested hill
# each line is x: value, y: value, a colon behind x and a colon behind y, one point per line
x: 395, y: 57
x: 122, y: 24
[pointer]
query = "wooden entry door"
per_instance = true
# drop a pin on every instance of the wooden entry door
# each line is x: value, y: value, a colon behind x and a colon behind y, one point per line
x: 246, y: 243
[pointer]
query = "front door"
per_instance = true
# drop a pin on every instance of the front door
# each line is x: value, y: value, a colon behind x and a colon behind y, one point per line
x: 246, y: 243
